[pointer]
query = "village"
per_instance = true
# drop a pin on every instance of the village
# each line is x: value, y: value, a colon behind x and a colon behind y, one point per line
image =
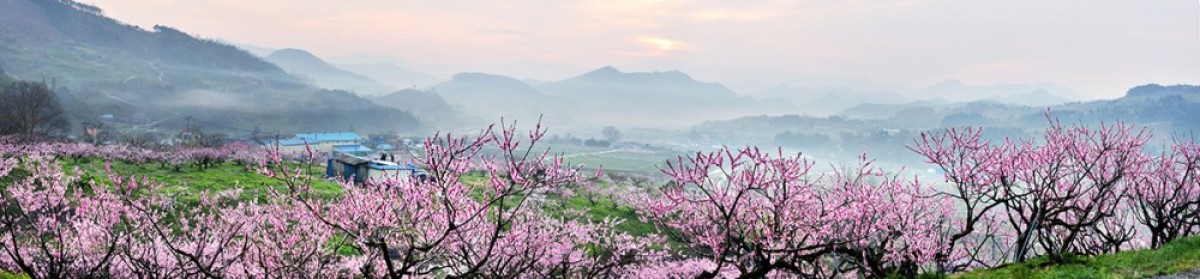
x: 348, y: 156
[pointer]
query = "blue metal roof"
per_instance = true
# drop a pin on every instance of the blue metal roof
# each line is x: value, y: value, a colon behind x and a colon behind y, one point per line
x: 292, y: 142
x: 323, y: 137
x: 385, y: 147
x: 355, y: 148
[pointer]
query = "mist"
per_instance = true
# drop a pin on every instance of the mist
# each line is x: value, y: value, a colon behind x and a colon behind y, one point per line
x: 830, y: 80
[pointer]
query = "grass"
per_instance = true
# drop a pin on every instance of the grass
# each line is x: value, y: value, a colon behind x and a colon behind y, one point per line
x: 611, y: 159
x: 189, y: 182
x: 1174, y: 257
x: 624, y: 161
x: 606, y: 208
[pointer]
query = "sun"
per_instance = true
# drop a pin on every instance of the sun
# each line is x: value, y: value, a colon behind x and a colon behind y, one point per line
x: 660, y: 44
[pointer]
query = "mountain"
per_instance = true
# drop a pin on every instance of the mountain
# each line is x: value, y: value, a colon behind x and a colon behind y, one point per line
x: 464, y: 86
x: 1171, y: 109
x: 426, y: 104
x: 662, y: 99
x: 490, y: 97
x: 608, y: 82
x: 392, y: 74
x: 1041, y: 95
x: 325, y: 75
x: 259, y: 51
x: 830, y: 100
x: 164, y: 78
x: 1167, y: 111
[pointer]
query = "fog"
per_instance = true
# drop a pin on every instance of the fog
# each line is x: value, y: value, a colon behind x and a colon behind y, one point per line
x: 828, y: 79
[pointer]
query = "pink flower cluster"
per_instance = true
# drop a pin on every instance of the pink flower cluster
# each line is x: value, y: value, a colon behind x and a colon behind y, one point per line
x: 55, y: 226
x: 750, y: 213
x: 201, y: 157
x: 1074, y: 190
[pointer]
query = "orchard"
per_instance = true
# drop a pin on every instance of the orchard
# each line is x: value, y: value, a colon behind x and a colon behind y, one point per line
x: 729, y: 213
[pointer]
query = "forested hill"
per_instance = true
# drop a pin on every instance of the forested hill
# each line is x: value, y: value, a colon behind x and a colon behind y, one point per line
x: 164, y: 75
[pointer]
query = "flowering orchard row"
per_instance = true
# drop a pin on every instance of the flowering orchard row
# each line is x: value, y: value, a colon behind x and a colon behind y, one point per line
x: 200, y: 157
x: 732, y: 213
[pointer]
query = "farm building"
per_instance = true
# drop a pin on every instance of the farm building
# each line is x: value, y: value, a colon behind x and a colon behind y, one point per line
x: 359, y: 169
x: 319, y: 142
x: 353, y: 149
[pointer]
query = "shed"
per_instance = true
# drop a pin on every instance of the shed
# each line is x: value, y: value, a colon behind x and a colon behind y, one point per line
x: 359, y: 169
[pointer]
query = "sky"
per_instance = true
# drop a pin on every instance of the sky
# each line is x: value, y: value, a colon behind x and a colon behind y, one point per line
x: 1098, y: 48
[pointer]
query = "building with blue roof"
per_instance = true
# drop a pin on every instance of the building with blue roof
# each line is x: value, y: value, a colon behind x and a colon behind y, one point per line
x: 353, y: 149
x: 359, y: 169
x: 319, y: 142
x: 330, y: 137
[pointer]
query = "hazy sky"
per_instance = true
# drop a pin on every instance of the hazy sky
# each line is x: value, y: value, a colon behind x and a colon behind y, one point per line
x: 1099, y: 47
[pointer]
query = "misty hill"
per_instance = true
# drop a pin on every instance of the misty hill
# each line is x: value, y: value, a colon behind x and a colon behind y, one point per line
x: 662, y: 99
x: 392, y: 74
x: 325, y: 75
x: 608, y: 84
x: 165, y: 78
x: 829, y: 100
x: 259, y: 51
x: 490, y: 97
x: 1175, y: 108
x: 1167, y: 110
x: 854, y: 102
x: 1018, y: 94
x: 426, y: 104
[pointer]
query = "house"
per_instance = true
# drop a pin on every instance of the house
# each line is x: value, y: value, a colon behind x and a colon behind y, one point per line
x: 359, y: 169
x: 319, y: 142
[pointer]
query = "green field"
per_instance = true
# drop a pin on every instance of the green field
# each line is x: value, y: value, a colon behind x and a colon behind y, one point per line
x: 1175, y: 257
x: 623, y: 160
x: 189, y: 181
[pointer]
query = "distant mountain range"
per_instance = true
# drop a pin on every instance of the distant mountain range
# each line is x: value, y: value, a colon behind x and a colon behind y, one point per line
x: 605, y: 96
x: 168, y: 78
x: 165, y: 76
x: 425, y: 103
x: 1168, y: 110
x: 364, y: 74
x: 828, y: 100
x: 394, y: 75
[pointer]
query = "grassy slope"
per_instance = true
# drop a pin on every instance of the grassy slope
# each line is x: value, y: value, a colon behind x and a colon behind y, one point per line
x: 190, y: 181
x: 1178, y: 256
